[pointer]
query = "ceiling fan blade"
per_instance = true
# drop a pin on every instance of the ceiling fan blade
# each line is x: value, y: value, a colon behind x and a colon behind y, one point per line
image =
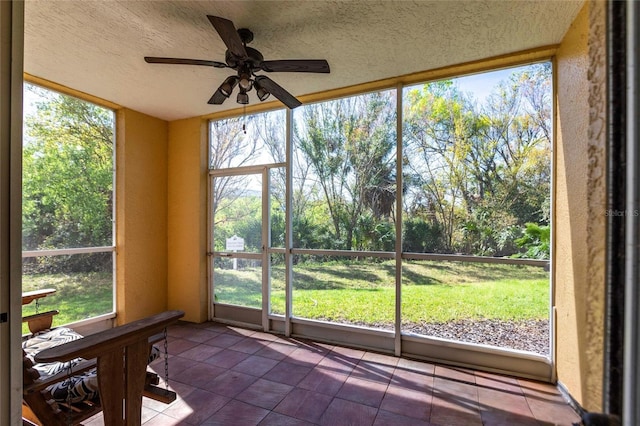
x: 217, y: 98
x: 229, y: 35
x: 276, y: 90
x: 154, y: 60
x: 296, y: 65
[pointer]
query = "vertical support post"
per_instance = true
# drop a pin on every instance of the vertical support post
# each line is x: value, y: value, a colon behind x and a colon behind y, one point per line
x: 616, y: 196
x: 266, y: 245
x: 288, y: 237
x: 398, y: 325
x: 553, y: 313
x: 631, y: 385
x: 11, y: 70
x: 121, y: 380
x: 209, y: 204
x: 136, y: 357
x: 111, y: 383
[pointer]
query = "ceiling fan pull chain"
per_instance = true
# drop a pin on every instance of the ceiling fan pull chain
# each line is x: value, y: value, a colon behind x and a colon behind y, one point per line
x: 244, y: 117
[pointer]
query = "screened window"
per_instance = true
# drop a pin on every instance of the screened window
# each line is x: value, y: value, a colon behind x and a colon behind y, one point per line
x: 476, y: 166
x: 344, y: 179
x: 472, y: 210
x: 68, y: 196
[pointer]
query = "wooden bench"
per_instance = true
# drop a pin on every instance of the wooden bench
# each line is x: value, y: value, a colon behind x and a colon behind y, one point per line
x: 120, y: 355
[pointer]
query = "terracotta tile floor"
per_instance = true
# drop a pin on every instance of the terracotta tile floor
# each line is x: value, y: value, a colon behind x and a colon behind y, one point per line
x: 232, y: 376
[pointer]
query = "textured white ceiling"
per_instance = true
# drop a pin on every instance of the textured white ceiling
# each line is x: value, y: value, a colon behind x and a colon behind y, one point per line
x: 97, y: 47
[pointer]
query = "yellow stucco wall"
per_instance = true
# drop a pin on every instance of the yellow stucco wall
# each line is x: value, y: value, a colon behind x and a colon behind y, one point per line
x: 141, y: 215
x: 577, y: 300
x: 187, y: 218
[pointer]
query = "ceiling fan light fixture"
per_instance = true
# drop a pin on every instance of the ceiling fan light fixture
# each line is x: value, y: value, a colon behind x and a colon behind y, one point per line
x: 262, y: 93
x: 242, y: 98
x: 245, y: 83
x: 227, y: 86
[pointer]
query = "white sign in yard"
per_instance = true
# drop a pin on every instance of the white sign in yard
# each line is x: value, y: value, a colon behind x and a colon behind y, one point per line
x: 235, y: 243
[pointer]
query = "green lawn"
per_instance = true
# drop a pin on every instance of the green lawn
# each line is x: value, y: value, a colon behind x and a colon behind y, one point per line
x: 364, y: 293
x: 347, y: 292
x: 78, y: 296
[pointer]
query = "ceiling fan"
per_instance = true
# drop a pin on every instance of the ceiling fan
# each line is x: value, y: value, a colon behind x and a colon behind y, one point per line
x: 246, y: 61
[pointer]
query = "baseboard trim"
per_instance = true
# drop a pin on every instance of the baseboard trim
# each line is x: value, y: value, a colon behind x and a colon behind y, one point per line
x: 570, y: 399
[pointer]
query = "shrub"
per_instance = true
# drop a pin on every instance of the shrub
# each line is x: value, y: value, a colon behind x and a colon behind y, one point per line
x: 536, y: 242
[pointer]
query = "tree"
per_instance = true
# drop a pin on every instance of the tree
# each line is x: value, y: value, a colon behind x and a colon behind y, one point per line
x: 438, y: 128
x: 67, y: 173
x: 349, y: 146
x: 518, y: 125
x: 482, y: 168
x: 229, y: 147
x: 244, y: 141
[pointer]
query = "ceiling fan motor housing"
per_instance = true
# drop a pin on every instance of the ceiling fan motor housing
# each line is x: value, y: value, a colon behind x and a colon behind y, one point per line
x: 246, y: 35
x: 253, y: 59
